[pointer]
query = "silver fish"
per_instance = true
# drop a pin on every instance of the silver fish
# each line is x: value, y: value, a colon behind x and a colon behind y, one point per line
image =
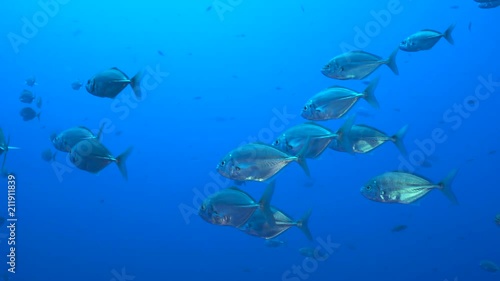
x: 364, y: 139
x: 489, y: 5
x: 293, y: 140
x: 26, y: 96
x: 233, y: 207
x: 109, y: 83
x: 336, y: 101
x: 258, y: 225
x: 29, y: 113
x: 68, y: 138
x: 405, y: 188
x: 425, y: 39
x: 489, y: 266
x: 92, y: 156
x: 257, y: 162
x: 357, y: 65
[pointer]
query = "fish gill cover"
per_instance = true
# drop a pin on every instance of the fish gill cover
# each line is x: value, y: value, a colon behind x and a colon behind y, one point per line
x: 250, y: 140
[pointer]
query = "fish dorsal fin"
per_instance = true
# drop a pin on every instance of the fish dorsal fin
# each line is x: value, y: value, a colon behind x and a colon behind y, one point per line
x: 431, y: 30
x: 85, y: 128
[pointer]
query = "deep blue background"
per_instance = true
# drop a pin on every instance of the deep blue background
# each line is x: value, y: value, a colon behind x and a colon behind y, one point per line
x: 228, y: 73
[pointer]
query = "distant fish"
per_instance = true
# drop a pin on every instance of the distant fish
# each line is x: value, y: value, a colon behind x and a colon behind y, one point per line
x: 489, y: 266
x: 30, y: 81
x: 470, y: 26
x: 454, y: 7
x: 161, y: 53
x: 399, y: 228
x: 48, y: 155
x: 274, y: 243
x: 209, y: 8
x: 489, y: 5
x: 76, y: 85
x: 39, y: 102
x: 491, y: 152
x: 497, y: 219
x: 26, y: 96
x: 314, y: 253
x: 29, y: 113
x: 426, y: 39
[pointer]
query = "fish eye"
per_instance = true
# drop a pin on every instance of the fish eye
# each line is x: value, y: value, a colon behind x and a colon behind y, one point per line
x: 305, y: 107
x: 203, y: 208
x: 276, y: 142
x: 222, y: 163
x: 368, y: 187
x: 237, y: 168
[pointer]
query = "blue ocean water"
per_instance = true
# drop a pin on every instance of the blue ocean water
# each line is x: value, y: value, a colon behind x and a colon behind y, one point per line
x: 226, y: 72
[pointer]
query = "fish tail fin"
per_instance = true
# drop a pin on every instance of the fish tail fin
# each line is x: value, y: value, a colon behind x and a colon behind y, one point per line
x: 265, y: 202
x: 344, y: 134
x: 5, y: 153
x: 120, y: 161
x: 369, y: 93
x: 99, y: 133
x: 445, y: 187
x: 135, y: 82
x: 303, y: 224
x: 301, y: 159
x: 398, y: 139
x: 447, y: 34
x: 391, y: 62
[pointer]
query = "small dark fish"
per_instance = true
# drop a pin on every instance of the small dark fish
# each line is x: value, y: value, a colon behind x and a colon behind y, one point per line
x: 405, y: 188
x: 314, y: 253
x: 302, y: 8
x: 76, y: 85
x: 209, y: 8
x: 39, y: 102
x: 77, y: 32
x: 471, y: 102
x: 489, y: 266
x: 26, y: 96
x: 454, y: 7
x: 197, y: 98
x: 399, y: 228
x: 118, y: 133
x: 31, y: 81
x: 109, y: 83
x: 161, y: 53
x: 278, y: 88
x: 492, y: 152
x: 470, y: 26
x: 29, y: 113
x: 2, y: 220
x: 48, y: 156
x: 92, y: 156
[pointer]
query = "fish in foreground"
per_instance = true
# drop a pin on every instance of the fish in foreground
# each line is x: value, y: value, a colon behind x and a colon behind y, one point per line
x: 357, y: 65
x: 109, y: 83
x: 257, y: 162
x: 26, y: 96
x: 489, y: 266
x: 426, y: 39
x: 65, y: 140
x: 76, y: 85
x: 92, y: 156
x: 364, y: 139
x: 405, y: 188
x: 293, y: 140
x: 30, y: 81
x: 233, y: 207
x: 336, y: 101
x: 4, y: 147
x: 268, y: 228
x: 29, y: 113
